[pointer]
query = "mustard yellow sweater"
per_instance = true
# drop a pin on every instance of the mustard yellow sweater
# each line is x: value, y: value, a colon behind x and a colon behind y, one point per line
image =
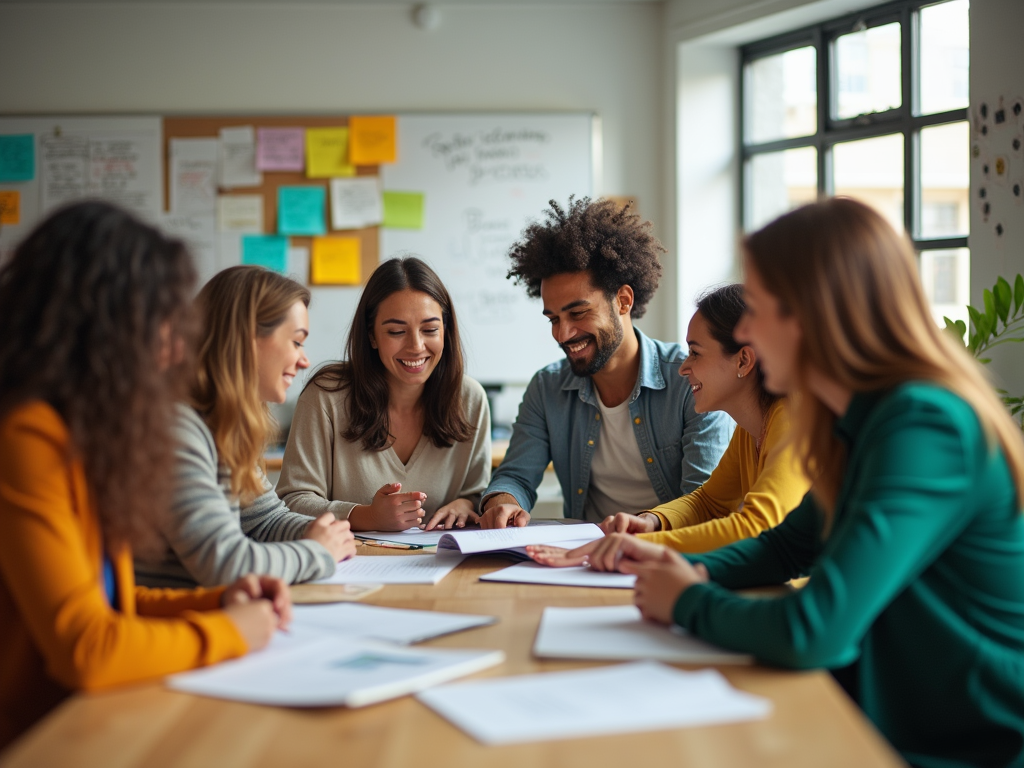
x: 747, y: 492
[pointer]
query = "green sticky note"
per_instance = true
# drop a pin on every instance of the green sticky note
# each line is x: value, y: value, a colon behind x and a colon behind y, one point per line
x: 301, y: 210
x: 270, y: 251
x: 403, y: 210
x: 18, y: 157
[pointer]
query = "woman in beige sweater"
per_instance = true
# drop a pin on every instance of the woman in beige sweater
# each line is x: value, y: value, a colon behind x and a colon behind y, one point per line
x: 396, y: 433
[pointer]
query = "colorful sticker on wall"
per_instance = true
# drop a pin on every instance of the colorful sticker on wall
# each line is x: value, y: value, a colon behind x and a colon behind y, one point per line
x: 18, y: 157
x: 335, y: 261
x: 281, y: 149
x: 403, y: 210
x: 270, y: 251
x: 10, y: 207
x: 301, y: 210
x: 373, y: 140
x: 327, y: 153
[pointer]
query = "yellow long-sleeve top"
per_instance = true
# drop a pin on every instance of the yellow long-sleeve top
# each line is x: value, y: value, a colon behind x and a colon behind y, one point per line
x: 748, y: 492
x: 59, y: 632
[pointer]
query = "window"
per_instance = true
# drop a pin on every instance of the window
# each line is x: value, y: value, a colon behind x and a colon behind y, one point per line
x: 874, y: 106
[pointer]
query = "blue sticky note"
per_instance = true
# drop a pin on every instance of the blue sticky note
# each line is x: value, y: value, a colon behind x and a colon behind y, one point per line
x: 300, y: 210
x: 270, y: 251
x: 18, y: 157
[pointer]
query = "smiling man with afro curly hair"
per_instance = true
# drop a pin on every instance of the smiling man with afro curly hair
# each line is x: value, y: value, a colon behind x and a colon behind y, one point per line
x: 613, y: 417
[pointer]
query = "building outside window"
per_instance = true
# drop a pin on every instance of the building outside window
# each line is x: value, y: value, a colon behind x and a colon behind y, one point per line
x: 874, y: 106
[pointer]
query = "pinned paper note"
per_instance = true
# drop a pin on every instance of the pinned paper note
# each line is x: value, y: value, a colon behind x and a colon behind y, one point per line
x: 327, y: 153
x: 335, y: 261
x: 194, y: 176
x: 300, y: 210
x: 240, y: 213
x: 238, y: 158
x: 18, y: 157
x: 10, y: 207
x: 270, y: 251
x: 403, y: 210
x: 356, y: 203
x: 280, y: 149
x: 64, y: 169
x: 373, y: 140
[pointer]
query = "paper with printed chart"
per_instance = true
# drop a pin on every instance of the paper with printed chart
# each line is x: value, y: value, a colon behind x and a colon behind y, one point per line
x: 641, y: 696
x: 618, y: 633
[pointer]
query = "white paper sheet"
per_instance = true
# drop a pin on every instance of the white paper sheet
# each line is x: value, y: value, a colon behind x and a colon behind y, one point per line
x: 298, y: 263
x: 409, y: 536
x: 356, y: 203
x: 617, y: 633
x: 534, y: 573
x: 396, y: 625
x: 193, y: 170
x: 405, y: 569
x: 200, y: 235
x: 496, y: 540
x: 330, y: 671
x: 119, y: 172
x: 64, y: 169
x: 642, y: 696
x: 237, y: 161
x: 240, y: 213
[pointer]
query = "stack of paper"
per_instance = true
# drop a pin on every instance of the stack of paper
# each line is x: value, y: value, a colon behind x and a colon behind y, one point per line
x: 515, y: 540
x: 396, y: 625
x: 332, y: 672
x: 642, y: 696
x: 617, y: 632
x: 408, y: 569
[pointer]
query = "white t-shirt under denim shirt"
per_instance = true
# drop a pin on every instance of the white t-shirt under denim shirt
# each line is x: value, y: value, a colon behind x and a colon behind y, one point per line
x: 618, y: 478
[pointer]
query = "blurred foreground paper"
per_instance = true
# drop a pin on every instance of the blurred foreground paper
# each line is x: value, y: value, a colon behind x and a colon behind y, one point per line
x: 641, y: 696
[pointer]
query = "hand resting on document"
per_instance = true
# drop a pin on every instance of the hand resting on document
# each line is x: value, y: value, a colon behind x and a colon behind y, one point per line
x: 503, y: 511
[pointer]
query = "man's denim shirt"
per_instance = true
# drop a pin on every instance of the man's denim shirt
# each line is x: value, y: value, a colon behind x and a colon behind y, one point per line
x: 559, y: 422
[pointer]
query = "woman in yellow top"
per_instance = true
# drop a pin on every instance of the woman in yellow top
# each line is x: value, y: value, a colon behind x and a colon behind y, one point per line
x: 94, y: 305
x: 757, y: 481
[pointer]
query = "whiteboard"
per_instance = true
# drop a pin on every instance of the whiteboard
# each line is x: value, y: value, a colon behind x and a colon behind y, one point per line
x: 485, y: 177
x: 119, y: 161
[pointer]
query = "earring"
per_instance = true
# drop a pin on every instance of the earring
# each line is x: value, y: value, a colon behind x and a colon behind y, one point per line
x: 739, y: 375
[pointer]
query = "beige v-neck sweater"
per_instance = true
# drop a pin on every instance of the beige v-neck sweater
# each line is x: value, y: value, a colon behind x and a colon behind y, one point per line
x: 324, y: 472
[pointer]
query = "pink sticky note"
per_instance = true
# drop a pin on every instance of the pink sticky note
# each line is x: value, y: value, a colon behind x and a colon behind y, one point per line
x: 280, y: 149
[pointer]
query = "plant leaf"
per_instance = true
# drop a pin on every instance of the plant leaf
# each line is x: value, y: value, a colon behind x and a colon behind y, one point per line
x: 990, y: 308
x: 1003, y: 297
x: 1018, y: 293
x: 962, y: 327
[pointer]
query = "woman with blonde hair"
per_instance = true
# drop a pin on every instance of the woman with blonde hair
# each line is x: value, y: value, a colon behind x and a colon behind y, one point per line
x: 225, y: 518
x: 95, y: 309
x: 912, y: 536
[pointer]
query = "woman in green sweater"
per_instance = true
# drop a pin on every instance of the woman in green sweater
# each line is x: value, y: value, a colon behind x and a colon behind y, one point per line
x: 912, y: 536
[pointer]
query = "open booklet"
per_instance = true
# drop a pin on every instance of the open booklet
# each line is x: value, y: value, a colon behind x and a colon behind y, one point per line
x: 515, y: 540
x: 321, y: 670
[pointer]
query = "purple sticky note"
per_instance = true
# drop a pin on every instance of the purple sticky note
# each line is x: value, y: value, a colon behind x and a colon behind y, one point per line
x: 280, y: 149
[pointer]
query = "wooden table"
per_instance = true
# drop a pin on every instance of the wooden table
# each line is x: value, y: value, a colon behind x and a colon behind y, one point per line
x: 813, y: 723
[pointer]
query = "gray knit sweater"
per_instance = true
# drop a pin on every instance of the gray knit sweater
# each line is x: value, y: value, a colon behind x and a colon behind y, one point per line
x: 210, y: 539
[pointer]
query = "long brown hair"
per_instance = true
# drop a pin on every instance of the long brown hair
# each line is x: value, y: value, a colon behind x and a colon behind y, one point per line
x: 852, y: 283
x: 237, y: 306
x: 94, y: 303
x: 364, y: 377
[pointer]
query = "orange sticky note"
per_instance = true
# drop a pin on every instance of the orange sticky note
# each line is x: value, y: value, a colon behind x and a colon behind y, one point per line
x: 10, y: 207
x: 372, y: 140
x: 335, y: 261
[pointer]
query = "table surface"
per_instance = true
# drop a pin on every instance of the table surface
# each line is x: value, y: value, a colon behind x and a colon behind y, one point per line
x: 813, y: 724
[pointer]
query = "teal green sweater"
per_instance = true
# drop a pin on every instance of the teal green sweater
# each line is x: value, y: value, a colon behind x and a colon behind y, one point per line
x: 921, y: 582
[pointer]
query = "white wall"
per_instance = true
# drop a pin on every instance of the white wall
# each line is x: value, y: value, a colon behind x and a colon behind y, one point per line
x: 278, y: 57
x: 997, y: 69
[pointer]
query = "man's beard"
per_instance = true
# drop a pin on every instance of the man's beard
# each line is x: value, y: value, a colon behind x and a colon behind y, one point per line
x: 605, y: 344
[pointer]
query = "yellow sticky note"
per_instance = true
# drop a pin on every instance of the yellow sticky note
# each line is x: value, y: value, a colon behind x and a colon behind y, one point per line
x: 372, y: 140
x: 327, y: 153
x: 10, y: 207
x: 335, y: 261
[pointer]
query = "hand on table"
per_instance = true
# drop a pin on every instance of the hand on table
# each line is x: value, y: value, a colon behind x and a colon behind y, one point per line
x: 623, y: 522
x: 660, y: 581
x: 455, y: 515
x: 258, y: 605
x: 604, y: 554
x: 335, y: 535
x: 390, y: 510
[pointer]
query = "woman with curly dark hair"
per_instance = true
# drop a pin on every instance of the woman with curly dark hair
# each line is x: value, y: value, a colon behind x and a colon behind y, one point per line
x: 614, y: 418
x: 396, y: 432
x: 92, y: 351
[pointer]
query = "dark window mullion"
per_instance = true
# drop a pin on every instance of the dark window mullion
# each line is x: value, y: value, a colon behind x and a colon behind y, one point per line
x: 939, y: 243
x: 911, y: 144
x: 824, y: 101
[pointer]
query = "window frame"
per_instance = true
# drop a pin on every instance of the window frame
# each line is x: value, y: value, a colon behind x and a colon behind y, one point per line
x: 830, y: 131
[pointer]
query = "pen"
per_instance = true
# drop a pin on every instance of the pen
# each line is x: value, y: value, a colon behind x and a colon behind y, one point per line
x: 390, y: 545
